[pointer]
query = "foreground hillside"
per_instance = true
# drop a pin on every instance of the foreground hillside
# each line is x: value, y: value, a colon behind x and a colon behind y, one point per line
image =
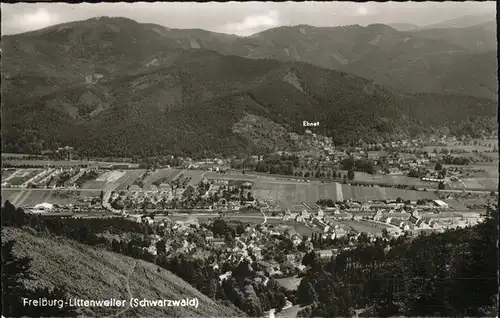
x: 90, y: 273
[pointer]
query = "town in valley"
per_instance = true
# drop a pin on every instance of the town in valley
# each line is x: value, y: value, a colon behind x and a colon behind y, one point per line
x: 281, y: 166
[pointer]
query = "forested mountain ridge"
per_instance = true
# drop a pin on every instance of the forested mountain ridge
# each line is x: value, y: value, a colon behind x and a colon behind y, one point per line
x: 106, y: 45
x: 146, y: 94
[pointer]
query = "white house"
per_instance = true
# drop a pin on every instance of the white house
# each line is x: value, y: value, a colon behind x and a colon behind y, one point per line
x: 44, y: 206
x: 441, y: 204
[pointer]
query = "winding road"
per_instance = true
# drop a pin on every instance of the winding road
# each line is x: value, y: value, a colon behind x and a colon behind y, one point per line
x: 271, y: 313
x: 265, y: 217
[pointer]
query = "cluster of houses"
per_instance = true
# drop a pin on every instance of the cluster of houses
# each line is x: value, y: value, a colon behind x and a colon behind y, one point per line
x: 191, y: 238
x: 42, y: 178
x: 413, y: 219
x: 80, y: 209
x: 248, y: 245
x: 158, y: 197
x: 404, y: 143
x: 318, y: 219
x: 47, y: 178
x: 320, y: 142
x: 152, y: 196
x: 398, y: 216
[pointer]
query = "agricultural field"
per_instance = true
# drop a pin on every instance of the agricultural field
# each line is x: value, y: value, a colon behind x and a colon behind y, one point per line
x: 486, y: 178
x: 456, y: 205
x: 68, y: 163
x: 366, y: 226
x: 23, y: 175
x: 289, y: 194
x: 6, y: 173
x: 30, y: 197
x: 300, y: 228
x: 159, y: 174
x: 296, y: 207
x: 114, y: 179
x: 94, y: 184
x: 106, y: 180
x: 128, y: 179
x: 390, y: 179
x: 15, y: 155
x: 211, y: 175
x: 311, y: 205
x: 196, y: 176
x: 489, y: 170
x: 477, y: 183
x: 111, y: 176
x: 475, y: 144
x: 380, y: 193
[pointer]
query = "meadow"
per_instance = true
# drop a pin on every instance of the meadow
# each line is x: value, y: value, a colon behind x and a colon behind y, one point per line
x: 67, y: 163
x: 211, y: 175
x: 23, y: 175
x: 359, y: 193
x: 483, y: 147
x: 365, y: 226
x: 289, y: 194
x: 491, y: 170
x: 196, y: 176
x: 481, y: 183
x: 168, y: 175
x: 391, y: 179
x: 128, y: 179
x: 111, y: 176
x: 7, y: 173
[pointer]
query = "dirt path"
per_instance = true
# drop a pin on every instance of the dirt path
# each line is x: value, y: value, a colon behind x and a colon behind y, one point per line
x: 339, y: 193
x: 152, y: 283
x: 177, y: 175
x: 127, y: 286
x: 16, y: 199
x: 265, y: 217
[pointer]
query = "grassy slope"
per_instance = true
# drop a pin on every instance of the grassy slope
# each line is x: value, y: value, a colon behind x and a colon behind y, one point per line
x: 90, y: 273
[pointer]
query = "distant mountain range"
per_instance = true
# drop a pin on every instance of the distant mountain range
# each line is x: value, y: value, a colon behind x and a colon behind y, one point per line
x: 112, y: 86
x: 404, y: 26
x: 464, y: 21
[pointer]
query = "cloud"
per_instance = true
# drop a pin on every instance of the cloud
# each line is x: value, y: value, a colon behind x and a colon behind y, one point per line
x: 243, y: 18
x: 36, y: 20
x: 254, y: 23
x: 362, y: 10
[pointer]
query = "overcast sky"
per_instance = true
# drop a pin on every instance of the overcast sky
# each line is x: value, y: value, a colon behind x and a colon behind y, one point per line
x: 242, y: 18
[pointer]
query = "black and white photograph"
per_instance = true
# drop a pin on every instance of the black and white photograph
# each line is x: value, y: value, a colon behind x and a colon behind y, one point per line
x: 249, y: 159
